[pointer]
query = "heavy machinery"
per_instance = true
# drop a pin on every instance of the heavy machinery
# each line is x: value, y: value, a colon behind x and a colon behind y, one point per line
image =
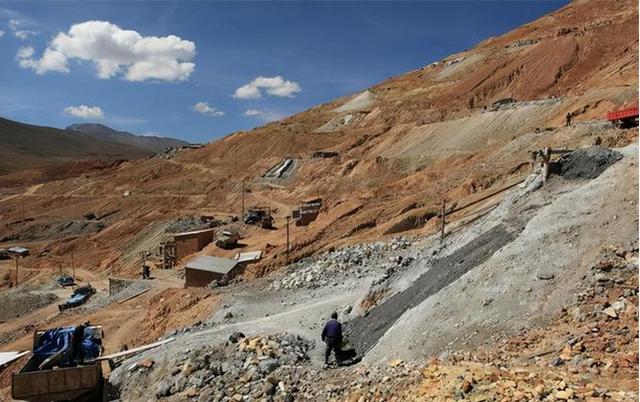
x: 260, y: 216
x: 228, y: 239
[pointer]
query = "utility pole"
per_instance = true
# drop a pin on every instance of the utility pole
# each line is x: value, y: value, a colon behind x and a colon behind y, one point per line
x: 288, y: 218
x: 442, y: 222
x: 73, y: 266
x: 242, y: 215
x: 17, y: 280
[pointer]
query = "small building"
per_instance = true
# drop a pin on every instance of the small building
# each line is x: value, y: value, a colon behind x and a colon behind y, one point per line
x: 249, y: 257
x: 203, y: 270
x: 307, y: 212
x: 19, y: 251
x: 191, y: 242
x: 324, y: 154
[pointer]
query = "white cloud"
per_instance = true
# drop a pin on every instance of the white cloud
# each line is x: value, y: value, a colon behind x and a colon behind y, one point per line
x: 24, y: 34
x: 204, y: 108
x: 276, y: 86
x: 1, y: 34
x: 19, y: 29
x: 24, y: 52
x: 85, y: 112
x: 117, y: 51
x: 265, y: 115
x: 15, y: 24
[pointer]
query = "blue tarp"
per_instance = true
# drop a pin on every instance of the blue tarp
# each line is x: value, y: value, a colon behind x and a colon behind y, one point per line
x: 61, y: 339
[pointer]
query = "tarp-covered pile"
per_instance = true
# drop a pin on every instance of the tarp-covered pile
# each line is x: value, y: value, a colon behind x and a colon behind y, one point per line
x: 67, y: 346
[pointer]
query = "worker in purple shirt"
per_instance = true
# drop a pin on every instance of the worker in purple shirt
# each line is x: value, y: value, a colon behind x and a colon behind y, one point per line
x: 332, y: 336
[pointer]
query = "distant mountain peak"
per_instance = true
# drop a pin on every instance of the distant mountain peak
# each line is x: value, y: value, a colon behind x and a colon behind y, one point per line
x: 151, y: 143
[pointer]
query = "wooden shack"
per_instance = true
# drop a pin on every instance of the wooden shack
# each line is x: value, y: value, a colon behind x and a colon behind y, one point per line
x: 188, y: 243
x: 203, y: 270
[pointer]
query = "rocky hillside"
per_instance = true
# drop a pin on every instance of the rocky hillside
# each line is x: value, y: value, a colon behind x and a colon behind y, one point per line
x: 27, y: 147
x: 149, y: 143
x: 402, y: 146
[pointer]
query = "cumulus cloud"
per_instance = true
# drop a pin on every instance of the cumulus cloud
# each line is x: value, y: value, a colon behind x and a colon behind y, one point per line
x: 276, y: 86
x: 115, y: 51
x: 1, y: 34
x: 204, y: 108
x: 85, y: 112
x: 265, y: 115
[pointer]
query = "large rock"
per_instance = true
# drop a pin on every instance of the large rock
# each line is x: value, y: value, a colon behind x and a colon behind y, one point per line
x: 268, y: 365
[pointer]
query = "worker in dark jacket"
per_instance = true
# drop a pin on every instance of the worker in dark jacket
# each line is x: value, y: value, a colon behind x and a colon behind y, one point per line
x: 332, y: 336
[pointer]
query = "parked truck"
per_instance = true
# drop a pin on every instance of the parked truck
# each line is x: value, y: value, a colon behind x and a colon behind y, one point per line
x: 626, y: 117
x: 46, y: 377
x: 227, y: 239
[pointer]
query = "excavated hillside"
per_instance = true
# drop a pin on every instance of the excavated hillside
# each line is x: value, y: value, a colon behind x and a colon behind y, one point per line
x: 403, y: 147
x: 530, y: 294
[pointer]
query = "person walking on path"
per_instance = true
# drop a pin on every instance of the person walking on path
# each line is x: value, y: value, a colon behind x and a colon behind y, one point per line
x: 332, y: 336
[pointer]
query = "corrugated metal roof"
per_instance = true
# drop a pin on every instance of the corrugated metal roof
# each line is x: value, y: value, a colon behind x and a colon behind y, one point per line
x: 18, y: 250
x: 249, y: 256
x: 211, y: 264
x: 193, y: 232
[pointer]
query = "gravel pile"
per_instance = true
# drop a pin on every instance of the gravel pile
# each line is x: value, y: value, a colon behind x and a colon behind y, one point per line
x: 358, y: 261
x: 188, y: 224
x: 251, y: 369
x: 15, y: 303
x: 587, y: 163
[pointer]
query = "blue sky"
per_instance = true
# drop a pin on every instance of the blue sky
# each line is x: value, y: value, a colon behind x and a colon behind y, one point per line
x: 185, y: 82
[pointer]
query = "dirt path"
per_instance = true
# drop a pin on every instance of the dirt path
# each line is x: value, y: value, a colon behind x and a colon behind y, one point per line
x: 30, y: 191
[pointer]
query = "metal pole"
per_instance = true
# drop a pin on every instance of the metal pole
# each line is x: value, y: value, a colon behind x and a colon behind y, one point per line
x: 442, y: 223
x: 242, y: 215
x: 288, y: 217
x: 73, y: 266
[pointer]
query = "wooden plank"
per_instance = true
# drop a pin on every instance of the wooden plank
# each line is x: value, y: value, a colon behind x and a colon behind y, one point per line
x: 8, y: 357
x: 134, y: 295
x: 135, y: 350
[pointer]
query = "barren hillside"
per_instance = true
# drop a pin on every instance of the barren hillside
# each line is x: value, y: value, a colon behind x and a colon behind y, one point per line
x: 26, y: 147
x: 532, y: 286
x: 403, y: 145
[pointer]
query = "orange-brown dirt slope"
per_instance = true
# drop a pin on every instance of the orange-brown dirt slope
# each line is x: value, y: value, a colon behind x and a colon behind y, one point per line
x: 403, y: 146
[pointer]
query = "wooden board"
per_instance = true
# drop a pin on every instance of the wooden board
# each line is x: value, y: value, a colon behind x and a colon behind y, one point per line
x: 136, y: 350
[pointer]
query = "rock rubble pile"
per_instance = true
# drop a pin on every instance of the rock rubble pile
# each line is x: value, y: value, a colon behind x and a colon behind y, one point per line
x: 359, y: 261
